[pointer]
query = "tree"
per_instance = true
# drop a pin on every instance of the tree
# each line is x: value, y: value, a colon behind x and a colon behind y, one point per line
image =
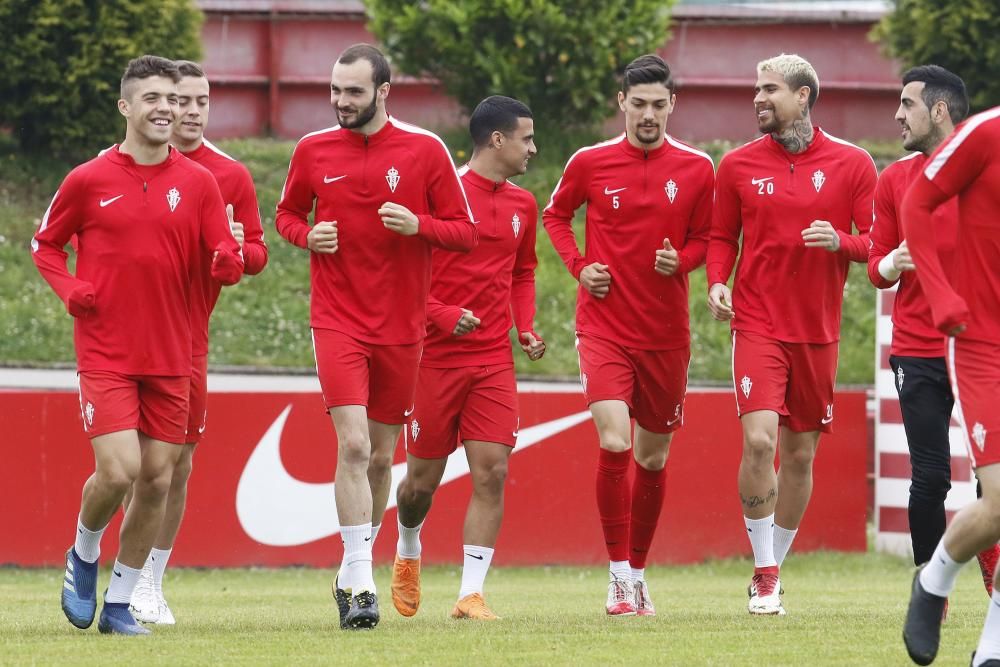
x: 560, y: 57
x: 960, y: 35
x: 63, y: 60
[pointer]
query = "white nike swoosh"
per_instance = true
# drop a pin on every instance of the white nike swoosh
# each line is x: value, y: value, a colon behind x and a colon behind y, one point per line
x: 105, y: 202
x: 278, y: 510
x: 826, y: 420
x: 611, y: 192
x: 335, y: 178
x: 758, y: 181
x: 410, y: 411
x: 673, y: 421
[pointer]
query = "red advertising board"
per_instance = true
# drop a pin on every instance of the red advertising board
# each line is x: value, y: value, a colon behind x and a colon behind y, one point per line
x: 262, y: 488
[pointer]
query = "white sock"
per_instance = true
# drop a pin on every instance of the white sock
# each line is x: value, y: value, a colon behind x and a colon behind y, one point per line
x: 939, y: 574
x: 375, y: 529
x: 356, y: 568
x: 761, y: 534
x: 88, y: 542
x: 782, y: 542
x: 408, y: 545
x: 158, y: 564
x: 476, y: 565
x: 620, y: 569
x: 989, y: 642
x: 123, y: 581
x: 638, y: 574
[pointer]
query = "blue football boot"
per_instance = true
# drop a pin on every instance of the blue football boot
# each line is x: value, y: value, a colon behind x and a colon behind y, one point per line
x: 116, y: 619
x: 79, y: 591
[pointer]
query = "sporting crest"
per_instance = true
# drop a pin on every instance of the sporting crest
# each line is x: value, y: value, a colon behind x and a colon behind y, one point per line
x: 746, y: 384
x: 392, y: 178
x: 515, y: 222
x: 671, y: 190
x: 173, y: 199
x: 819, y: 178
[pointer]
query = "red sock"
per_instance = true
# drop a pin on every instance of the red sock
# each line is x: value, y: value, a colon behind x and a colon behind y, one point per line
x: 613, y: 501
x: 648, y: 491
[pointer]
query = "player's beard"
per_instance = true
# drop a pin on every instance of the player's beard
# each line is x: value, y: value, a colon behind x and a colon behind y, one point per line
x: 363, y: 116
x: 647, y: 134
x: 925, y: 143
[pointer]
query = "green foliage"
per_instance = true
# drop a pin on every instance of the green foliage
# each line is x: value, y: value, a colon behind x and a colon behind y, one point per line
x: 63, y: 60
x: 960, y: 35
x: 560, y: 57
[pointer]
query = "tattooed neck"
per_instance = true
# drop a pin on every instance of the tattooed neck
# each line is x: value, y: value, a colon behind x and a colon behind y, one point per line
x: 796, y: 138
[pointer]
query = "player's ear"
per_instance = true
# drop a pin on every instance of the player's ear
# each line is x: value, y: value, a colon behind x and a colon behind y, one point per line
x: 621, y: 100
x: 123, y: 108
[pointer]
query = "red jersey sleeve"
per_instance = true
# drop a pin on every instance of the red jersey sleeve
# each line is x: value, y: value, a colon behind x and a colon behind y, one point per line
x: 724, y: 238
x: 569, y: 195
x: 442, y: 315
x: 855, y: 246
x: 59, y: 224
x: 522, y: 292
x: 956, y: 163
x: 451, y: 226
x: 884, y: 237
x: 246, y: 210
x: 296, y: 201
x: 216, y: 237
x: 700, y: 227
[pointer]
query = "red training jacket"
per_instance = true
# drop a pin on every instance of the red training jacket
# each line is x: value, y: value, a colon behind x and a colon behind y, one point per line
x: 913, y: 332
x: 374, y: 288
x: 140, y: 229
x: 783, y: 289
x: 237, y: 189
x: 635, y: 199
x: 495, y: 280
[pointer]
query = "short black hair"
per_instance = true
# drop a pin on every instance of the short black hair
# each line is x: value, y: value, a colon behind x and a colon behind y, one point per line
x: 649, y: 68
x: 147, y: 66
x: 940, y: 85
x: 495, y: 113
x: 380, y: 66
x: 189, y: 68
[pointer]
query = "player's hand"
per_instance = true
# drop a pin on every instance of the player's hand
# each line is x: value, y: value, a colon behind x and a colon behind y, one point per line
x: 235, y: 227
x: 951, y: 315
x: 80, y: 301
x: 901, y: 259
x: 322, y: 238
x: 532, y: 345
x: 399, y: 219
x: 467, y: 323
x: 667, y: 259
x: 596, y: 279
x: 720, y: 302
x: 821, y: 234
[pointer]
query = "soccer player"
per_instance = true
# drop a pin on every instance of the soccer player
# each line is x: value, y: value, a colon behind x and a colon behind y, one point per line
x: 466, y: 389
x: 148, y: 602
x: 793, y: 193
x: 390, y: 192
x: 144, y: 217
x: 965, y: 305
x: 649, y: 208
x: 932, y: 102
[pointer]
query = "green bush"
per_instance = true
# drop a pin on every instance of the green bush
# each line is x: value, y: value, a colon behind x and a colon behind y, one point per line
x: 960, y: 35
x: 560, y: 57
x: 63, y: 60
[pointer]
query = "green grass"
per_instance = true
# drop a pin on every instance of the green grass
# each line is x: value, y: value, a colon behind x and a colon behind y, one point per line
x: 264, y: 321
x: 842, y: 610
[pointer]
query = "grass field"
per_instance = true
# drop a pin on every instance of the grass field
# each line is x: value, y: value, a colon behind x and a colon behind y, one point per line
x: 842, y: 610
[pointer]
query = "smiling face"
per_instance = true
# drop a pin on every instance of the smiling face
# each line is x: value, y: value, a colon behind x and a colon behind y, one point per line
x: 150, y: 109
x: 354, y: 96
x: 518, y: 147
x: 777, y: 106
x: 647, y: 107
x: 193, y: 103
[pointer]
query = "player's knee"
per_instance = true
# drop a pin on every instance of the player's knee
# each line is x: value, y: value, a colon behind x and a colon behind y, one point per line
x: 353, y: 451
x: 799, y: 459
x: 614, y: 441
x: 414, y: 491
x: 490, y: 479
x: 759, y: 447
x: 117, y: 479
x: 380, y: 463
x: 930, y: 483
x: 182, y: 473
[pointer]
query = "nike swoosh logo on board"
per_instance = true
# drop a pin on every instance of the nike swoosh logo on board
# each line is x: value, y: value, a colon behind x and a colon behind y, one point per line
x: 105, y: 202
x: 278, y: 510
x: 608, y: 191
x: 335, y: 178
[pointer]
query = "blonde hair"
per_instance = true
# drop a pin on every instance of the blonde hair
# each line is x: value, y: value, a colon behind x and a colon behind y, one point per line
x: 796, y: 71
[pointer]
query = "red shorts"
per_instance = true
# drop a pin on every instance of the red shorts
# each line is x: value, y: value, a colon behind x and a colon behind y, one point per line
x: 796, y: 380
x: 975, y: 383
x: 461, y: 404
x: 382, y: 378
x: 652, y: 383
x: 198, y: 401
x: 155, y: 405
